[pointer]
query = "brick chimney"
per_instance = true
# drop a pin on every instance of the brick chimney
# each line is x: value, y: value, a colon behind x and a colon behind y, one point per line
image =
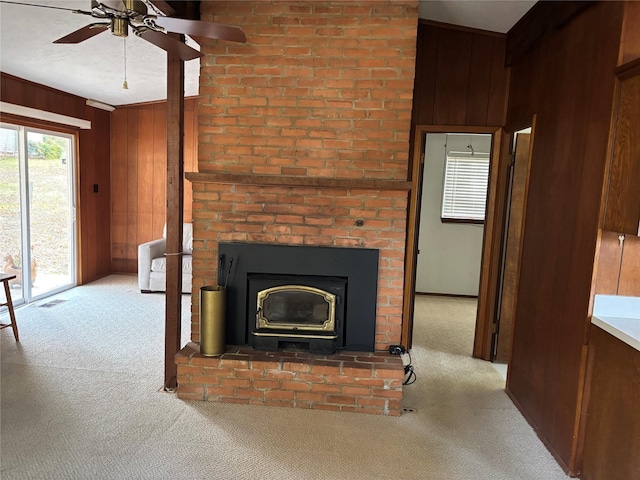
x: 304, y: 135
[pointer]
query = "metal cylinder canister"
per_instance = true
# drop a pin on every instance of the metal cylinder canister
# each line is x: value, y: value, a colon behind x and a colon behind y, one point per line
x: 212, y: 320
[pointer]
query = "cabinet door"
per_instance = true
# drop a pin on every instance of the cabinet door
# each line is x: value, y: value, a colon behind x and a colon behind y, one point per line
x: 612, y: 431
x: 623, y: 196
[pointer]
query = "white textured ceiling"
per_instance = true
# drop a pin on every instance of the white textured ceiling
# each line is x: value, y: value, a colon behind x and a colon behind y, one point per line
x: 493, y: 15
x: 95, y: 68
x: 91, y: 69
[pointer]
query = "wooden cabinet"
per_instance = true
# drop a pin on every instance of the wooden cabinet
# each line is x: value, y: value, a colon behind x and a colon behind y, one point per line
x: 612, y: 438
x: 617, y: 268
x: 622, y: 212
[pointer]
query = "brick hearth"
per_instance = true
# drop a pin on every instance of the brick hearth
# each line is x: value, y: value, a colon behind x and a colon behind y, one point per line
x: 347, y: 382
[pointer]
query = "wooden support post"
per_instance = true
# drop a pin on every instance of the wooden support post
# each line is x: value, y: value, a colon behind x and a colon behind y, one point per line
x: 175, y: 213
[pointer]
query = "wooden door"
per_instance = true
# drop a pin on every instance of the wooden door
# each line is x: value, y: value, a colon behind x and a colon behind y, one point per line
x: 515, y: 228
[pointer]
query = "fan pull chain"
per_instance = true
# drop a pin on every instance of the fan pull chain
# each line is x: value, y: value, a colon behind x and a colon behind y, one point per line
x: 125, y: 86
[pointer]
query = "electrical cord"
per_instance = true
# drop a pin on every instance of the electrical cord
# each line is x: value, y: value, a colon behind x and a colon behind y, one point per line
x: 410, y: 376
x: 409, y: 372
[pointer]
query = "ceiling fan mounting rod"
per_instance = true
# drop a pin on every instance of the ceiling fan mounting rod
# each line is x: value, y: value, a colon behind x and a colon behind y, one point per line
x: 135, y: 6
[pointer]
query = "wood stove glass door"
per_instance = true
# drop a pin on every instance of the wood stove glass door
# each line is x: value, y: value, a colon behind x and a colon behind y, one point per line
x: 296, y: 307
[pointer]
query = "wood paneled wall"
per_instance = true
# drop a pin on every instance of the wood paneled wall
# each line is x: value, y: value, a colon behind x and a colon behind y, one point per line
x: 92, y: 167
x: 460, y: 77
x: 139, y: 176
x: 568, y: 82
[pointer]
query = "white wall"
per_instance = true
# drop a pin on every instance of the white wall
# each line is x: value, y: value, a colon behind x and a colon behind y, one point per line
x: 450, y: 253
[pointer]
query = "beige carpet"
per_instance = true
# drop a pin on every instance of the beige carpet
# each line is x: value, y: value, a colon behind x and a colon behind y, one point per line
x: 80, y: 400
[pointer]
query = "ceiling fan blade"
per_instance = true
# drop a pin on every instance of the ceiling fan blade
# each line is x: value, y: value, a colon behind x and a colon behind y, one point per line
x: 84, y: 33
x: 202, y: 29
x: 171, y: 45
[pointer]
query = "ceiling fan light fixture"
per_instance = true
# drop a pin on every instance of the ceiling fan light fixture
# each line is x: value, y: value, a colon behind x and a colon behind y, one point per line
x: 120, y: 27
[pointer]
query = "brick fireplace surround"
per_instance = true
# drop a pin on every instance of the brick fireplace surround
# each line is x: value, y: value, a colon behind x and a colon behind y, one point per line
x: 304, y: 140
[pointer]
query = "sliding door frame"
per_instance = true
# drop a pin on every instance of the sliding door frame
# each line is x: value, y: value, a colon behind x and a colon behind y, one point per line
x: 25, y: 126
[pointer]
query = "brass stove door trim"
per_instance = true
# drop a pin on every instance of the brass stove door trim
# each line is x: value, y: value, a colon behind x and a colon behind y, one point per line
x: 327, y: 326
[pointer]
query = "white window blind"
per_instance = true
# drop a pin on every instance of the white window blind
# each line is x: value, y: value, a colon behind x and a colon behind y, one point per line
x: 466, y: 179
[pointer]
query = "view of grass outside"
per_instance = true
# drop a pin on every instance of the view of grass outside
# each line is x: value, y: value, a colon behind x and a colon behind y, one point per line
x: 49, y: 197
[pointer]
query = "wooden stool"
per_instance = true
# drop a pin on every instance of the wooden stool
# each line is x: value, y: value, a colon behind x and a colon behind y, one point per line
x: 4, y: 278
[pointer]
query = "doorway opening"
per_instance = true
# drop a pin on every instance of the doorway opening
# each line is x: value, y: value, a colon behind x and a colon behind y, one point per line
x: 37, y: 211
x: 450, y: 228
x: 417, y: 175
x: 495, y: 272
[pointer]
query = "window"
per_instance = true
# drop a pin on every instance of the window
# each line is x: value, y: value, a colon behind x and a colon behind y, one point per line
x: 466, y: 178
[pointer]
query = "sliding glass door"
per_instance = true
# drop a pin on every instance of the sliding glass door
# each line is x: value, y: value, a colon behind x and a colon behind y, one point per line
x: 37, y: 211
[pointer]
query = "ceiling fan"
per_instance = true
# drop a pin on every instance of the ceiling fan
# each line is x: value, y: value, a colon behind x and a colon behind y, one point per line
x: 120, y: 16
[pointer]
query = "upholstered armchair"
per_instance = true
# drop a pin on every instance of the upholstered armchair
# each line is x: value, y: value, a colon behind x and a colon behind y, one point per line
x: 152, y: 262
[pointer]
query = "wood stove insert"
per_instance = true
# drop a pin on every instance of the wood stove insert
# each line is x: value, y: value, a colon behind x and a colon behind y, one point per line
x: 349, y: 274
